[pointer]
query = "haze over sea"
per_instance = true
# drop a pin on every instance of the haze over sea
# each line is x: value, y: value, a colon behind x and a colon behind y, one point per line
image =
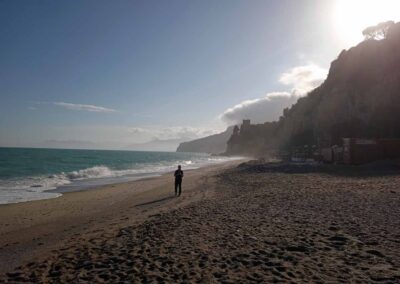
x: 30, y: 174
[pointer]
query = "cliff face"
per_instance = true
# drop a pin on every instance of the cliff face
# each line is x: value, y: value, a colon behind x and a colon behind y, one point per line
x: 214, y: 144
x: 251, y: 139
x: 359, y: 98
x: 361, y: 95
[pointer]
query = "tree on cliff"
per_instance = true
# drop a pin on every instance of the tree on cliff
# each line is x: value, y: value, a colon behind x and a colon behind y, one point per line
x: 378, y: 31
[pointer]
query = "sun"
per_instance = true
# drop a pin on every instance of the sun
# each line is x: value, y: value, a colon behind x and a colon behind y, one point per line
x: 350, y: 17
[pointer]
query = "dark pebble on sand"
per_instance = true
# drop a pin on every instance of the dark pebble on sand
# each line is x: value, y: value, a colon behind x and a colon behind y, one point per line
x: 13, y: 274
x: 375, y: 252
x: 338, y: 238
x: 104, y: 276
x: 217, y: 275
x: 54, y: 273
x: 297, y: 248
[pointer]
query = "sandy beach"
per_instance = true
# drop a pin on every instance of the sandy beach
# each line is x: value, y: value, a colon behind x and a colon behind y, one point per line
x: 32, y: 228
x: 252, y: 223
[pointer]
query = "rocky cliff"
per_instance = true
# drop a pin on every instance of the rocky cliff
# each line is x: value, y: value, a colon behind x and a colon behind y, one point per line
x: 360, y: 98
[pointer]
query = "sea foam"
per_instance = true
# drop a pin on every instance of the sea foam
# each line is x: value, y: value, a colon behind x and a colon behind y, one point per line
x: 37, y: 187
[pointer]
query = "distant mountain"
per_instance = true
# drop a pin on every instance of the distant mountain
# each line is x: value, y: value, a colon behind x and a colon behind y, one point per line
x: 156, y: 145
x: 214, y: 144
x: 68, y: 144
x: 360, y: 98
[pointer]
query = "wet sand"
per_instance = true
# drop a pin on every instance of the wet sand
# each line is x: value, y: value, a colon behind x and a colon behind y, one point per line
x: 257, y: 222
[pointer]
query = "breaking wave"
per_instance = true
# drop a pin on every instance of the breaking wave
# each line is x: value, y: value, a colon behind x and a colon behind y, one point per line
x: 37, y: 187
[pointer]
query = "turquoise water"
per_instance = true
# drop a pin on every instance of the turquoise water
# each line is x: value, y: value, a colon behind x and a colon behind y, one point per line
x: 31, y: 174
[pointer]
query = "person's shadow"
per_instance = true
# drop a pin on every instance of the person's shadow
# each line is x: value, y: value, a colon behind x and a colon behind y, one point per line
x: 155, y: 201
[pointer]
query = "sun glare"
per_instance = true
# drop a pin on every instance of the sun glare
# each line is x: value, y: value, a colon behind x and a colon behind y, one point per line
x: 353, y: 16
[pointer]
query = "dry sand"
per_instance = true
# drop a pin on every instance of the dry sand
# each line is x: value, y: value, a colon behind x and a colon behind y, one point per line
x: 255, y: 223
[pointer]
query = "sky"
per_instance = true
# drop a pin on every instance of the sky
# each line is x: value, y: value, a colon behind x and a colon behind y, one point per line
x: 118, y: 74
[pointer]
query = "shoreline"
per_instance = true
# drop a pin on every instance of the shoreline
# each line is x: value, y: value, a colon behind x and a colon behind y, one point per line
x: 34, y: 228
x: 66, y: 189
x: 66, y: 182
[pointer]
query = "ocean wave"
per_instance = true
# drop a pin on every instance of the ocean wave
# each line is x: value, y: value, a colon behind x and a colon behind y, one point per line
x: 94, y: 172
x: 35, y: 187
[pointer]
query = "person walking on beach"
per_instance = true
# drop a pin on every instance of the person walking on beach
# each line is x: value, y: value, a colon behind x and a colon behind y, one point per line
x: 178, y: 181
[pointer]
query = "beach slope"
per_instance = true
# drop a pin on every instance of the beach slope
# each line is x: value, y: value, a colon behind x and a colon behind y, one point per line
x: 252, y: 223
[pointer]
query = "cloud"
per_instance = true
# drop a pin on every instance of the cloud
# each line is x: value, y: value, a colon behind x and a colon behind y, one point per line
x: 301, y: 79
x: 81, y: 107
x: 267, y: 108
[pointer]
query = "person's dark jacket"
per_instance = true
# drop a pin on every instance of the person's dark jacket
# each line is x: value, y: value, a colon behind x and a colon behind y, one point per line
x: 178, y: 175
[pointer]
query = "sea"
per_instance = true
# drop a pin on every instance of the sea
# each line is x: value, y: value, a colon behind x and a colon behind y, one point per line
x: 28, y: 174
